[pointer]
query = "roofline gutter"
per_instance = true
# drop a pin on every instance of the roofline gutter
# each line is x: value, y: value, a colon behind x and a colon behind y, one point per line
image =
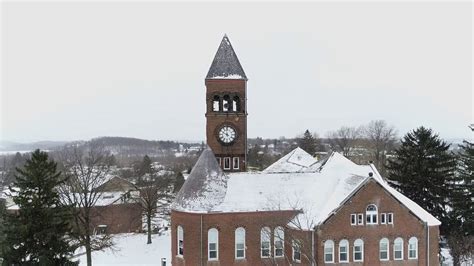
x: 313, y: 259
x: 201, y: 242
x: 427, y: 244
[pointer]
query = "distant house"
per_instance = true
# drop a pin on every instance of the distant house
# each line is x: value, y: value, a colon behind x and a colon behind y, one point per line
x: 117, y: 210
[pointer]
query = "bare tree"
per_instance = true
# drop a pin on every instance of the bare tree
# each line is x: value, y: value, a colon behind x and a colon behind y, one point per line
x: 86, y: 169
x: 381, y: 138
x: 299, y: 229
x: 154, y: 196
x: 344, y: 139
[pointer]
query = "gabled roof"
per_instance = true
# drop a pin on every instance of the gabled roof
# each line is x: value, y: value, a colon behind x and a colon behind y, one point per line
x: 295, y: 161
x: 226, y: 65
x: 116, y: 184
x: 296, y: 182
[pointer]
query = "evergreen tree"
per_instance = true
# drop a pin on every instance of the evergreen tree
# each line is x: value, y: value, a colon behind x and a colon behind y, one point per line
x: 463, y: 189
x: 461, y: 217
x: 308, y: 142
x: 145, y: 166
x: 178, y: 183
x: 422, y: 169
x: 37, y: 233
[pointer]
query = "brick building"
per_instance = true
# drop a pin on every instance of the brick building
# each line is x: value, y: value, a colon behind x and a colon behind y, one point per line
x: 298, y: 211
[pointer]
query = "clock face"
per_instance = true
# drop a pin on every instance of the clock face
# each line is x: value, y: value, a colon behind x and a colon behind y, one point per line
x: 227, y: 134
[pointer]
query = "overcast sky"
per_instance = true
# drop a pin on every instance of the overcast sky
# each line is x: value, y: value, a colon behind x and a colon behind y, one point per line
x: 82, y: 70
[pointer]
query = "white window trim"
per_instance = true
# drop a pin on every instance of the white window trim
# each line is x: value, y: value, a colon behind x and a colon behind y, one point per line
x: 394, y: 248
x: 370, y: 215
x: 235, y: 163
x: 275, y: 239
x: 360, y: 217
x: 293, y: 251
x: 353, y: 215
x: 361, y: 250
x: 346, y: 244
x: 209, y: 243
x: 329, y: 242
x: 388, y: 250
x: 390, y: 214
x: 179, y: 237
x: 229, y: 165
x: 416, y: 248
x: 384, y: 220
x: 262, y: 232
x: 236, y: 257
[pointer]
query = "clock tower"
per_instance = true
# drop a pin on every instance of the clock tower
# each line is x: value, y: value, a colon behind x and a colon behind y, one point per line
x: 226, y: 113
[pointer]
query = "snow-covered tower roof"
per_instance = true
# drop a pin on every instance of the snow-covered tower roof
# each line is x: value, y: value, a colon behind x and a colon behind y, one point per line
x: 226, y: 65
x: 204, y: 188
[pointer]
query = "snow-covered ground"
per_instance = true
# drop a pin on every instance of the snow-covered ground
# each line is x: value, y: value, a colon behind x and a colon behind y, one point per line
x: 131, y: 249
x: 448, y: 260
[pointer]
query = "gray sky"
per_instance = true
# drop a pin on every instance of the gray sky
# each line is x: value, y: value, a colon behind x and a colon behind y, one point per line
x: 81, y: 70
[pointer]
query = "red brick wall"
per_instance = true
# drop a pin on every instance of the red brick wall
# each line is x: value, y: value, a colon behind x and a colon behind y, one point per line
x: 226, y: 225
x: 405, y: 225
x: 336, y: 228
x: 119, y: 218
x: 215, y: 120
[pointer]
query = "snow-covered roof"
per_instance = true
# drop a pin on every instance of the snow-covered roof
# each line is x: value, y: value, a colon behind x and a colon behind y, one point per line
x: 295, y: 182
x: 295, y: 161
x: 226, y: 65
x: 204, y: 188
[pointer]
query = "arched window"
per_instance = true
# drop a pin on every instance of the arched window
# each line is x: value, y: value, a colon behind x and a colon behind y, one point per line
x: 329, y: 251
x: 413, y: 248
x: 213, y: 244
x: 398, y: 249
x: 226, y: 103
x: 265, y: 245
x: 180, y: 242
x: 371, y: 214
x: 358, y: 251
x: 383, y: 249
x: 240, y: 243
x: 216, y: 104
x: 278, y: 241
x: 236, y: 104
x: 344, y: 251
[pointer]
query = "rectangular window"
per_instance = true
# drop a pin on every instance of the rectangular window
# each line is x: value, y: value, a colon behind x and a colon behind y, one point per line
x: 390, y: 218
x: 296, y: 252
x: 329, y: 252
x: 383, y: 219
x: 343, y: 254
x: 236, y: 163
x: 240, y: 251
x: 358, y: 253
x: 360, y: 219
x: 398, y: 250
x: 219, y: 161
x: 226, y: 163
x: 265, y: 249
x: 413, y: 248
x: 353, y: 219
x: 212, y: 251
x: 102, y: 229
x: 278, y: 248
x: 384, y: 250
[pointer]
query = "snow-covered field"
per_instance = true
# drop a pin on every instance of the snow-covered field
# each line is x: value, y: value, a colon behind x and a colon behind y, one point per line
x: 131, y: 249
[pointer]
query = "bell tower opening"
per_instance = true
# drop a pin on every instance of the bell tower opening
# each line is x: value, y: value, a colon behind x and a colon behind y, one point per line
x: 226, y: 115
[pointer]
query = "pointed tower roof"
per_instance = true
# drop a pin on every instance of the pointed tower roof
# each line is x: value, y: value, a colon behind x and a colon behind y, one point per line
x: 226, y: 65
x: 204, y: 188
